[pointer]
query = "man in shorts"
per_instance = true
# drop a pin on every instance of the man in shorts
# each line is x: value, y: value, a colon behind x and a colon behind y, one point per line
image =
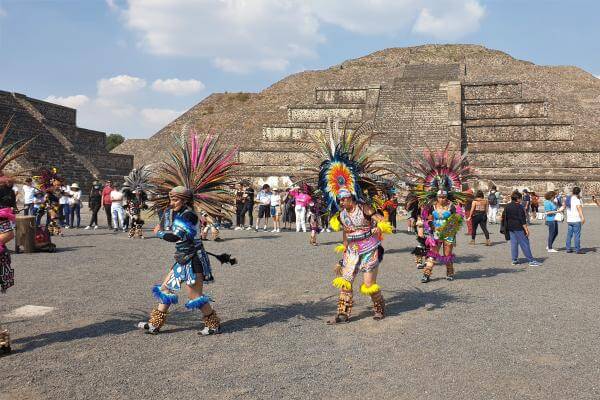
x: 264, y: 206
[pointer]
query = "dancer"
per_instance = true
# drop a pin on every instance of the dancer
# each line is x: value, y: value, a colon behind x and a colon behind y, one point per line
x: 346, y: 169
x: 135, y: 190
x: 420, y: 251
x: 314, y: 218
x: 50, y: 183
x: 441, y: 175
x: 194, y: 181
x: 8, y: 203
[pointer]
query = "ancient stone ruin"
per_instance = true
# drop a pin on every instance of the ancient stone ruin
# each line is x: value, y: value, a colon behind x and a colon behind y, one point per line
x: 79, y: 154
x: 523, y: 125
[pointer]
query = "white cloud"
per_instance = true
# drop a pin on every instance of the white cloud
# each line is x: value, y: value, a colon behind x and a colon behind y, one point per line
x: 237, y: 35
x: 450, y: 23
x: 75, y: 101
x: 159, y: 117
x: 241, y: 35
x: 371, y: 17
x: 597, y: 76
x: 177, y: 87
x: 112, y: 4
x: 119, y: 85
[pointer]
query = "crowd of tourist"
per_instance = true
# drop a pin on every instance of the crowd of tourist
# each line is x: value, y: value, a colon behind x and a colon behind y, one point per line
x: 297, y: 208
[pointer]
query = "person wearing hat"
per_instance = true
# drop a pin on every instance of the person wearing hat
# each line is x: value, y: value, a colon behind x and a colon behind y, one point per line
x: 75, y: 205
x: 276, y: 209
x: 94, y: 204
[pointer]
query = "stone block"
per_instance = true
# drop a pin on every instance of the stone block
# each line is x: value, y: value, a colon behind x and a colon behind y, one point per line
x: 492, y: 91
x: 308, y: 114
x: 340, y: 96
x: 272, y: 158
x: 519, y: 133
x: 537, y: 160
x: 516, y: 109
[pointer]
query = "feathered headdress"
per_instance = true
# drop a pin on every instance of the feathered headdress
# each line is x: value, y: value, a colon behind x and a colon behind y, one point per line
x: 344, y: 163
x: 138, y: 179
x: 45, y: 179
x: 202, y: 168
x: 10, y: 152
x: 444, y: 170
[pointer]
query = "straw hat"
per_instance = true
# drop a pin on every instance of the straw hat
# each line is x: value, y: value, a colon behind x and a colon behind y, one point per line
x: 75, y: 186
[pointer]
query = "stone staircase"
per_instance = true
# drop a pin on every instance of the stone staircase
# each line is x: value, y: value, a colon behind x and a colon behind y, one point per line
x: 282, y: 151
x: 514, y: 139
x: 74, y: 158
x: 79, y: 154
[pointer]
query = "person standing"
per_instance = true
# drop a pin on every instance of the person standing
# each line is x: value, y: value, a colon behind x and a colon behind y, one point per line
x: 493, y: 205
x: 514, y: 222
x: 575, y: 220
x: 276, y: 210
x: 264, y: 206
x: 526, y: 204
x: 302, y: 199
x: 107, y: 203
x: 551, y: 208
x: 28, y: 196
x: 239, y: 207
x: 288, y: 209
x: 248, y: 206
x: 116, y: 209
x: 94, y: 203
x: 478, y: 216
x: 65, y: 210
x: 75, y: 205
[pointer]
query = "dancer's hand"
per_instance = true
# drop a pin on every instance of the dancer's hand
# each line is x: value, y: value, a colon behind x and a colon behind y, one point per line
x: 156, y: 229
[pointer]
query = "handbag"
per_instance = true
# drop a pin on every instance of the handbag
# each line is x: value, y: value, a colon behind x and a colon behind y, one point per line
x: 559, y: 217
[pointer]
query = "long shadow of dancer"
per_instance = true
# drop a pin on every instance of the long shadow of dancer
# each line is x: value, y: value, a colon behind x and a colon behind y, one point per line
x: 113, y: 326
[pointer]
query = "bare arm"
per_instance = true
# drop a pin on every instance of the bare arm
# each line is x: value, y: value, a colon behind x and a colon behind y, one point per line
x: 580, y: 212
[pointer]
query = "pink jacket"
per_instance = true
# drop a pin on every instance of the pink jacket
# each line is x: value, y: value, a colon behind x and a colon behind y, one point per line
x: 302, y: 199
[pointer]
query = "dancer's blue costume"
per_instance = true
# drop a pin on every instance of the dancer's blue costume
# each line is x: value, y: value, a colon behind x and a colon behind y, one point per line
x: 190, y: 259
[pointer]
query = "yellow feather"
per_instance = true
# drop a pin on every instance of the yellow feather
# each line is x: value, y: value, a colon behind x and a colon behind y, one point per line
x: 341, y: 283
x: 371, y: 290
x: 334, y: 223
x: 340, y: 248
x: 385, y: 227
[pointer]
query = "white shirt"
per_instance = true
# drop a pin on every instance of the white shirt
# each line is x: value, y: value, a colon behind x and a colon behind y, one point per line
x: 264, y: 198
x: 275, y: 200
x: 116, y: 197
x: 75, y: 197
x: 572, y: 213
x: 28, y: 194
x: 64, y: 199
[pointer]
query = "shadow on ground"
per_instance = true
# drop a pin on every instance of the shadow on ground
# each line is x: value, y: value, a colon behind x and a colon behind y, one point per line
x: 115, y: 326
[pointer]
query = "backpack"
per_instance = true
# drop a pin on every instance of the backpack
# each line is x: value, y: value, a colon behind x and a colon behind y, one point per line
x: 492, y: 199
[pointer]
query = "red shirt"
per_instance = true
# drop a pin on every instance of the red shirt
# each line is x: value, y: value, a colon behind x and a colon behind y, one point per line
x: 106, y: 195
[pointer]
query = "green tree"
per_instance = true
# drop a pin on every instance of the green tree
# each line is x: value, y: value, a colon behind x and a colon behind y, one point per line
x: 113, y: 140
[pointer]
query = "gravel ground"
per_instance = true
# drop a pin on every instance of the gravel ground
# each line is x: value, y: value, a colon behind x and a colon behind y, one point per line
x: 496, y: 332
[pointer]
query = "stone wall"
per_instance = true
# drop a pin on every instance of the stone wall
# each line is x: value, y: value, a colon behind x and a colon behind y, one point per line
x: 79, y: 154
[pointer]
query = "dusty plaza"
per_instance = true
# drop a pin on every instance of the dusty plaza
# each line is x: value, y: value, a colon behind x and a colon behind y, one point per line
x: 496, y: 332
x: 299, y: 199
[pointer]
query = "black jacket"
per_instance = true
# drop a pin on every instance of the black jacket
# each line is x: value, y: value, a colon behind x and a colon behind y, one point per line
x: 514, y: 217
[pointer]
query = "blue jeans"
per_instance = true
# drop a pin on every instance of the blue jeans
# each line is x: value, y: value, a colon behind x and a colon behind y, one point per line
x: 518, y: 239
x: 28, y: 209
x: 75, y: 212
x: 65, y: 212
x: 552, y: 232
x: 574, y: 229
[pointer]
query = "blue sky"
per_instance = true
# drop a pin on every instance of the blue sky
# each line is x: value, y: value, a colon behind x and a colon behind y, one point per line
x: 131, y: 66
